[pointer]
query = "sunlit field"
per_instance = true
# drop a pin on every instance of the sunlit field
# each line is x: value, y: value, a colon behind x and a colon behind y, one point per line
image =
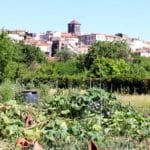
x: 140, y: 102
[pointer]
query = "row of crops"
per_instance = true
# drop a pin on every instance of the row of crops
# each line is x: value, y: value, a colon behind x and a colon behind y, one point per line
x: 70, y: 120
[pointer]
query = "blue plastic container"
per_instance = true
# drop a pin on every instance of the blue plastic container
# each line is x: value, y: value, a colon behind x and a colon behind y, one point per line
x: 30, y: 96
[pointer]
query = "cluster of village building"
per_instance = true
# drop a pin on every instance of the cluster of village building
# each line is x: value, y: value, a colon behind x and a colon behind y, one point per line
x: 52, y: 41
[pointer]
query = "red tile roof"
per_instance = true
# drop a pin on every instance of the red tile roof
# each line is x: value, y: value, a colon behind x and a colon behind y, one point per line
x: 37, y: 43
x: 84, y: 46
x: 68, y: 35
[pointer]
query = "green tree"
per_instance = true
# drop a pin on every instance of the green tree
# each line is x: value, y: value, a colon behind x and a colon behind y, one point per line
x: 106, y: 49
x: 47, y: 69
x: 67, y: 68
x: 81, y: 62
x: 31, y: 54
x: 108, y: 68
x: 16, y: 58
x: 143, y: 62
x: 137, y: 71
x: 6, y: 53
x: 64, y: 54
x: 11, y: 71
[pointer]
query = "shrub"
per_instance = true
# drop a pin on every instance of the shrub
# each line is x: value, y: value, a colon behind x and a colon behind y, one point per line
x: 7, y: 91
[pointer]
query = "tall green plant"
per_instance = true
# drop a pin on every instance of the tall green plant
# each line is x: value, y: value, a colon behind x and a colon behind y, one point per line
x: 7, y: 91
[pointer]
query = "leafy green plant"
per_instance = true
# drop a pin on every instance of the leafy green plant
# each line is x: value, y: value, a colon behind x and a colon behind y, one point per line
x: 7, y: 91
x: 69, y: 120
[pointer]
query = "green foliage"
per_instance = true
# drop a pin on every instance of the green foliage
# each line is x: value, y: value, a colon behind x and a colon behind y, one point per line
x: 137, y: 71
x: 144, y: 64
x: 92, y: 115
x: 47, y: 69
x: 108, y: 68
x: 58, y: 69
x: 106, y: 61
x: 11, y: 71
x: 31, y: 54
x: 6, y: 53
x: 7, y: 91
x: 44, y: 90
x: 67, y: 68
x: 64, y: 54
x: 108, y: 50
x: 15, y: 56
x: 70, y: 120
x: 81, y: 63
x: 10, y: 120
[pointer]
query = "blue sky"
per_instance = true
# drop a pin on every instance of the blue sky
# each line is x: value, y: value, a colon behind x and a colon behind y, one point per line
x: 131, y: 17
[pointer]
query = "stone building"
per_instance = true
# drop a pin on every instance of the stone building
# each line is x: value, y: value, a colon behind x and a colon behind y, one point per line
x: 74, y: 27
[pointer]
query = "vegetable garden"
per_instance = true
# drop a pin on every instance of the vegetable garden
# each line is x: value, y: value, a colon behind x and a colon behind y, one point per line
x: 70, y: 120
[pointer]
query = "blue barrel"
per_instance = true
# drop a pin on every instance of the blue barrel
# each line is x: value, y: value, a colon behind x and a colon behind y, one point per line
x: 30, y: 96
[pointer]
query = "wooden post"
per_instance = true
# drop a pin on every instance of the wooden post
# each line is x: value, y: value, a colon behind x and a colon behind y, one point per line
x: 92, y: 146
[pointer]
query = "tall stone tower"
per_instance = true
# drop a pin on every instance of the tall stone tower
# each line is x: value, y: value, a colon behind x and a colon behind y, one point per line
x: 74, y: 27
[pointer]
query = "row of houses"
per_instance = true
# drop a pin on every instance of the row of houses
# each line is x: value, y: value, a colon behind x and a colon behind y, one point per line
x: 51, y: 41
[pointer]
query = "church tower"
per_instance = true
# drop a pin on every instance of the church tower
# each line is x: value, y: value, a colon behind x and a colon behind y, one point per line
x: 74, y: 27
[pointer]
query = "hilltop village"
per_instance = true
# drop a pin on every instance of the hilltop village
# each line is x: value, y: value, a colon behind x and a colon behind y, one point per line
x: 51, y: 41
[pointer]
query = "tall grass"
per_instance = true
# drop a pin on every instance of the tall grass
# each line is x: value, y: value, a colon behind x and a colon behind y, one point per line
x: 8, y: 91
x: 139, y: 102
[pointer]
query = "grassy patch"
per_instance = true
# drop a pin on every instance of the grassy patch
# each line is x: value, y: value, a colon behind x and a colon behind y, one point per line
x: 140, y: 102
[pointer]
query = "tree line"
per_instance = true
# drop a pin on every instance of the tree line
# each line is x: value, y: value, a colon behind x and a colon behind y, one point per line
x: 110, y: 65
